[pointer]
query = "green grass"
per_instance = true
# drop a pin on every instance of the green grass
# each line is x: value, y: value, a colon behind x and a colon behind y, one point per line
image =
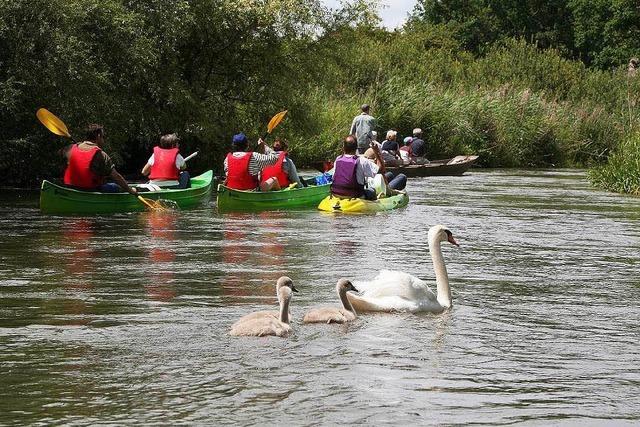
x: 622, y: 171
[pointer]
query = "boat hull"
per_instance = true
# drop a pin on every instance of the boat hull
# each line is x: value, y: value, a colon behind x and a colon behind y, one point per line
x: 230, y: 200
x: 59, y: 200
x: 455, y: 166
x: 333, y: 203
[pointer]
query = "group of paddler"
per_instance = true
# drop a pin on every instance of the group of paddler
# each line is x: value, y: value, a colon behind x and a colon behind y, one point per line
x: 358, y: 172
x: 89, y: 167
x: 353, y: 175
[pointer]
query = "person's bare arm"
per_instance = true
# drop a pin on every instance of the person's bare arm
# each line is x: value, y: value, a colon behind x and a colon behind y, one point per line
x: 146, y: 169
x: 115, y: 175
x: 379, y: 161
x: 261, y: 146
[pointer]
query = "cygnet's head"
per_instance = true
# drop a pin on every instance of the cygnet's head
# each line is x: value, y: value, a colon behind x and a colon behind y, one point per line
x: 345, y: 285
x: 441, y: 234
x: 286, y: 282
x: 285, y: 293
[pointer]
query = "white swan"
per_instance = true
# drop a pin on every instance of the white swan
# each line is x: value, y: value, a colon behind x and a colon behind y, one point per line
x: 334, y: 314
x: 260, y: 326
x: 282, y: 281
x: 398, y: 291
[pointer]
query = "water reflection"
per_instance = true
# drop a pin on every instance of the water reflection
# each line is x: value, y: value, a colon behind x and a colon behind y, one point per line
x: 274, y: 251
x: 161, y: 255
x: 252, y: 241
x: 78, y: 272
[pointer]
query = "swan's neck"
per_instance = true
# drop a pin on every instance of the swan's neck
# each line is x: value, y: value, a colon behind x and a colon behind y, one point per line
x: 442, y: 278
x: 342, y: 293
x: 284, y: 309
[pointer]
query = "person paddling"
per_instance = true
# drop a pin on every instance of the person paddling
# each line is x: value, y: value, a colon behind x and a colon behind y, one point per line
x: 88, y: 167
x: 242, y: 168
x: 166, y: 165
x: 282, y: 173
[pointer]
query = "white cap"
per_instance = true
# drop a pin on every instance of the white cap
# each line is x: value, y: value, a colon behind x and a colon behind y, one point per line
x: 417, y: 130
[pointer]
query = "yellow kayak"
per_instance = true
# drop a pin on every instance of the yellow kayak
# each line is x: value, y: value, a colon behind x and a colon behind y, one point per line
x: 333, y: 203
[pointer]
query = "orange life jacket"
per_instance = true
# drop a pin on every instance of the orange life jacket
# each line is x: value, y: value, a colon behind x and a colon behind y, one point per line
x: 164, y: 163
x: 78, y: 173
x: 277, y: 172
x: 238, y: 176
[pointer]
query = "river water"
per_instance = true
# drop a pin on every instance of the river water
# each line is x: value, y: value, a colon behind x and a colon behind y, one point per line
x: 124, y: 319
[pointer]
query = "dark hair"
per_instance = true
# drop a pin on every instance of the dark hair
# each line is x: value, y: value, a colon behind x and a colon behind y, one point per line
x: 350, y: 144
x: 93, y: 131
x: 169, y: 141
x: 365, y: 108
x: 281, y: 144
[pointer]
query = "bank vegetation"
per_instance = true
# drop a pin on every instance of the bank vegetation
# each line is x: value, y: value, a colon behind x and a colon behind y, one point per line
x: 546, y: 94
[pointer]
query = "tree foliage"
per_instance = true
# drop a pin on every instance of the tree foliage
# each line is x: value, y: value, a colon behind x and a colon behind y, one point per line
x: 203, y: 68
x: 605, y: 33
x: 481, y: 76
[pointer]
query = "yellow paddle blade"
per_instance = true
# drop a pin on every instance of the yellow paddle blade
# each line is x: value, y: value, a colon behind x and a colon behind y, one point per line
x: 51, y: 122
x: 160, y: 205
x: 275, y: 120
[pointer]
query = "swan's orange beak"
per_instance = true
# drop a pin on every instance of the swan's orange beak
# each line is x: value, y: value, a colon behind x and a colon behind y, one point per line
x: 451, y: 240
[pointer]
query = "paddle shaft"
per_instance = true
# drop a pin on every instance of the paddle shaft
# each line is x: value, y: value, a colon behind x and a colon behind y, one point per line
x: 190, y: 156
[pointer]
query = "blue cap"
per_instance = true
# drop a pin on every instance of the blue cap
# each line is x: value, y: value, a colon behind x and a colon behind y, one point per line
x: 239, y: 138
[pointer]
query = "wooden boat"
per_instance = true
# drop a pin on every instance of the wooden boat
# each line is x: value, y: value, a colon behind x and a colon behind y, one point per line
x: 56, y: 199
x: 230, y: 200
x: 445, y: 167
x: 333, y: 203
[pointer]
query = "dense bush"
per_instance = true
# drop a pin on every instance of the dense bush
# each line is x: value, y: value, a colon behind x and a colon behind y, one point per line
x: 622, y: 172
x: 209, y: 68
x: 204, y: 68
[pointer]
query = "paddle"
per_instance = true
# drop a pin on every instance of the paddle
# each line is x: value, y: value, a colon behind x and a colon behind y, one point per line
x: 190, y: 156
x: 53, y: 123
x: 274, y: 122
x: 57, y: 126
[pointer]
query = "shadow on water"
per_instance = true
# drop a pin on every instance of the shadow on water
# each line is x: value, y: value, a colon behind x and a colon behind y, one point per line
x: 123, y: 319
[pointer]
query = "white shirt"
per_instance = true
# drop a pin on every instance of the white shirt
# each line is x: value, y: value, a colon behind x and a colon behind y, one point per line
x: 365, y: 169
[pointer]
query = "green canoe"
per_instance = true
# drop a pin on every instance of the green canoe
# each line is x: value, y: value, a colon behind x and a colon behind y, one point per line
x: 56, y: 199
x: 236, y: 200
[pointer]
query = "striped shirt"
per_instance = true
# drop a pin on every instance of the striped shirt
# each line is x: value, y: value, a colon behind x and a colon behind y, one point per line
x: 257, y: 162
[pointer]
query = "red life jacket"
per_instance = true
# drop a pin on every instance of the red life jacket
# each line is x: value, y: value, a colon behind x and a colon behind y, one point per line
x: 238, y: 176
x: 78, y: 174
x: 164, y: 163
x: 277, y: 172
